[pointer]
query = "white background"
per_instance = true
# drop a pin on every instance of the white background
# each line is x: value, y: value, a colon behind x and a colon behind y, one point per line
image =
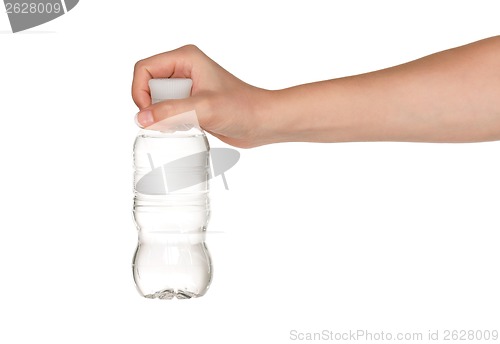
x: 389, y: 237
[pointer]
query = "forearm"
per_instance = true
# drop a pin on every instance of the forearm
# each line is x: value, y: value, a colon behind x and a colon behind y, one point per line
x: 451, y: 96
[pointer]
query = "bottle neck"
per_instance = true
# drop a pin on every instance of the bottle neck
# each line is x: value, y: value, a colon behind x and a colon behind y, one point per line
x: 181, y: 125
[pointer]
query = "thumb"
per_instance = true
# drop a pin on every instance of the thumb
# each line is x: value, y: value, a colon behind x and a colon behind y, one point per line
x: 162, y: 110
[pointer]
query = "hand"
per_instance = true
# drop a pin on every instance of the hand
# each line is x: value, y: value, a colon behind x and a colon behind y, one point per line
x: 226, y: 107
x: 450, y: 96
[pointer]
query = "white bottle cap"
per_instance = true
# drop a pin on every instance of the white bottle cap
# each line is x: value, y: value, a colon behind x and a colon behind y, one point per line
x: 171, y: 88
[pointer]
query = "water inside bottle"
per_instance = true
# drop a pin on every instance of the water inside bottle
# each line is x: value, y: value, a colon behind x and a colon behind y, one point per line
x: 171, y: 212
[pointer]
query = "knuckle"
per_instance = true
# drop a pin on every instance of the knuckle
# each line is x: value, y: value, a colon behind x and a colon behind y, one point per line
x: 138, y: 65
x: 191, y: 48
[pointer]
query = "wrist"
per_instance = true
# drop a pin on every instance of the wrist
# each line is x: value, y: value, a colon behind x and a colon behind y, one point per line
x: 278, y: 119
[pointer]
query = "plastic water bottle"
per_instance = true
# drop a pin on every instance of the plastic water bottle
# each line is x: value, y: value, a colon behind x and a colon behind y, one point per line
x: 171, y: 204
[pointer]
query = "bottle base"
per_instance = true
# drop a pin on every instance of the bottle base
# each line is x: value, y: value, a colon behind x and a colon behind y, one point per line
x: 169, y: 294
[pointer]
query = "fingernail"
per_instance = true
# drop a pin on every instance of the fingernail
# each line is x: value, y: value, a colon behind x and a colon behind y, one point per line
x: 144, y: 119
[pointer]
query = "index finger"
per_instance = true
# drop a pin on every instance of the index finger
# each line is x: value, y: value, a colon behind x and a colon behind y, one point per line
x: 173, y: 63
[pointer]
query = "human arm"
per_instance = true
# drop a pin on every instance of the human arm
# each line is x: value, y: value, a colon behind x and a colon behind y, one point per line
x: 450, y: 96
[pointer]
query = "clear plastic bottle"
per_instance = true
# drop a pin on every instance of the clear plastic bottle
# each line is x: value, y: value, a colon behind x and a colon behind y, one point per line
x: 171, y: 204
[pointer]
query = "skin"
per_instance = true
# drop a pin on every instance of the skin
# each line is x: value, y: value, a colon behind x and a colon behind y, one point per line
x: 450, y: 96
